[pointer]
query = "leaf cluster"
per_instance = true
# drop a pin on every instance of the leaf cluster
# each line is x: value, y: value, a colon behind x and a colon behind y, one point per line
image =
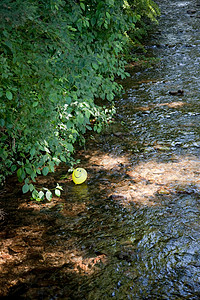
x: 56, y: 58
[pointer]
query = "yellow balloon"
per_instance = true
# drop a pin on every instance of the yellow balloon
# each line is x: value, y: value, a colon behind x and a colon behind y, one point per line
x: 79, y: 175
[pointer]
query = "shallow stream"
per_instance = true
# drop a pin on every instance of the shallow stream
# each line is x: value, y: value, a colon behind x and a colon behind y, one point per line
x: 132, y: 231
x: 149, y: 228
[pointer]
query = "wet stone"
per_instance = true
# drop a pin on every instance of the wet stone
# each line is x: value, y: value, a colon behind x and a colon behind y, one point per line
x: 132, y: 230
x: 118, y: 197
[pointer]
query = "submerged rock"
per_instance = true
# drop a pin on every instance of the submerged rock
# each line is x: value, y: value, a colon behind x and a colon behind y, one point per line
x: 126, y: 254
x: 176, y: 93
x: 118, y: 197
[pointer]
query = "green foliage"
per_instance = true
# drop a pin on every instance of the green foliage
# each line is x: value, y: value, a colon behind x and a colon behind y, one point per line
x: 56, y: 58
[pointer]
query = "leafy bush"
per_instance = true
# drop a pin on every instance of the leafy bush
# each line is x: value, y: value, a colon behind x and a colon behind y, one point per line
x: 56, y: 58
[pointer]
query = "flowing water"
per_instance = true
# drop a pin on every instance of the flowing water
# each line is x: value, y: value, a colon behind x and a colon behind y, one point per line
x: 132, y: 231
x: 153, y: 247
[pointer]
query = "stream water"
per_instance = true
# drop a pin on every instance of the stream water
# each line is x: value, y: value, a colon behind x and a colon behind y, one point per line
x: 132, y: 231
x: 150, y: 227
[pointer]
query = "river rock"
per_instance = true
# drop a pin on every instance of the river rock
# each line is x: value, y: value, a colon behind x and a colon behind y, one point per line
x: 118, y: 197
x: 176, y: 93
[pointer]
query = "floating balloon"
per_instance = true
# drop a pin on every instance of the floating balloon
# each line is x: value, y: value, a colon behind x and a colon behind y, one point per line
x: 79, y: 175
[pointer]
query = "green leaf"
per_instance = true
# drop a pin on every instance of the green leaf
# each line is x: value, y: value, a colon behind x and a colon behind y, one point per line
x: 25, y: 188
x: 35, y: 104
x: 68, y: 100
x: 80, y: 118
x: 57, y: 192
x: 27, y: 180
x: 40, y: 110
x: 62, y: 157
x: 9, y: 95
x: 28, y: 170
x: 31, y: 187
x: 41, y: 195
x: 38, y: 171
x: 13, y: 168
x: 53, y: 97
x: 48, y: 195
x: 59, y: 187
x: 32, y: 151
x: 87, y: 114
x: 69, y: 124
x: 35, y: 194
x: 95, y: 66
x: 51, y: 166
x: 45, y: 171
x: 2, y: 122
x: 21, y: 174
x: 82, y: 5
x: 9, y: 126
x: 33, y: 175
x: 107, y: 15
x: 70, y: 147
x: 56, y: 160
x: 88, y: 127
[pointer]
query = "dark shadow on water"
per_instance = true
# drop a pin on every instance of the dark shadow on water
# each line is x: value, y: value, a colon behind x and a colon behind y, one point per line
x: 98, y: 242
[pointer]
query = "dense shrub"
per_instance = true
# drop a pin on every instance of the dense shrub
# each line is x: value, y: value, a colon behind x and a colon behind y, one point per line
x: 56, y: 57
